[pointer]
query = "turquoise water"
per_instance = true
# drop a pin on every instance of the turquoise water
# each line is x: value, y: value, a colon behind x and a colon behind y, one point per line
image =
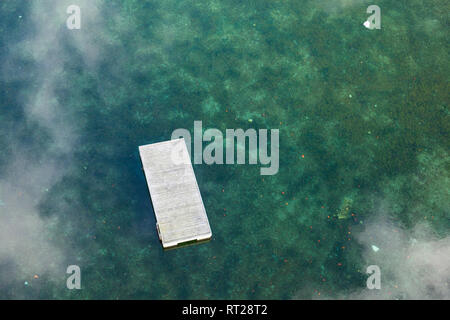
x: 363, y: 119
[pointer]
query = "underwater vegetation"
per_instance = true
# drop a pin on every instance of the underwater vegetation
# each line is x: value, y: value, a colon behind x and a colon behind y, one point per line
x: 344, y: 211
x: 363, y: 119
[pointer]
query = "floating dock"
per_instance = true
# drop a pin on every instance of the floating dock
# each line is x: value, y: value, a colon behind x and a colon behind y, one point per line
x: 180, y: 214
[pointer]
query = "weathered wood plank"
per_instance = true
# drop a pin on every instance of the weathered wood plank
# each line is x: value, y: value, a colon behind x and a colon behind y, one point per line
x: 177, y: 202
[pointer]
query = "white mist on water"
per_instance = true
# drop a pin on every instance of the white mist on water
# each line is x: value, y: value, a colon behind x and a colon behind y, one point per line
x: 26, y: 248
x: 415, y: 264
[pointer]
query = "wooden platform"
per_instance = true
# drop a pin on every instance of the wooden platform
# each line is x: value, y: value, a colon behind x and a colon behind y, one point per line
x: 180, y: 213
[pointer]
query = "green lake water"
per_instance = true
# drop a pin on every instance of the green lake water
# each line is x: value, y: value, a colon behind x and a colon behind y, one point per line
x: 363, y: 120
